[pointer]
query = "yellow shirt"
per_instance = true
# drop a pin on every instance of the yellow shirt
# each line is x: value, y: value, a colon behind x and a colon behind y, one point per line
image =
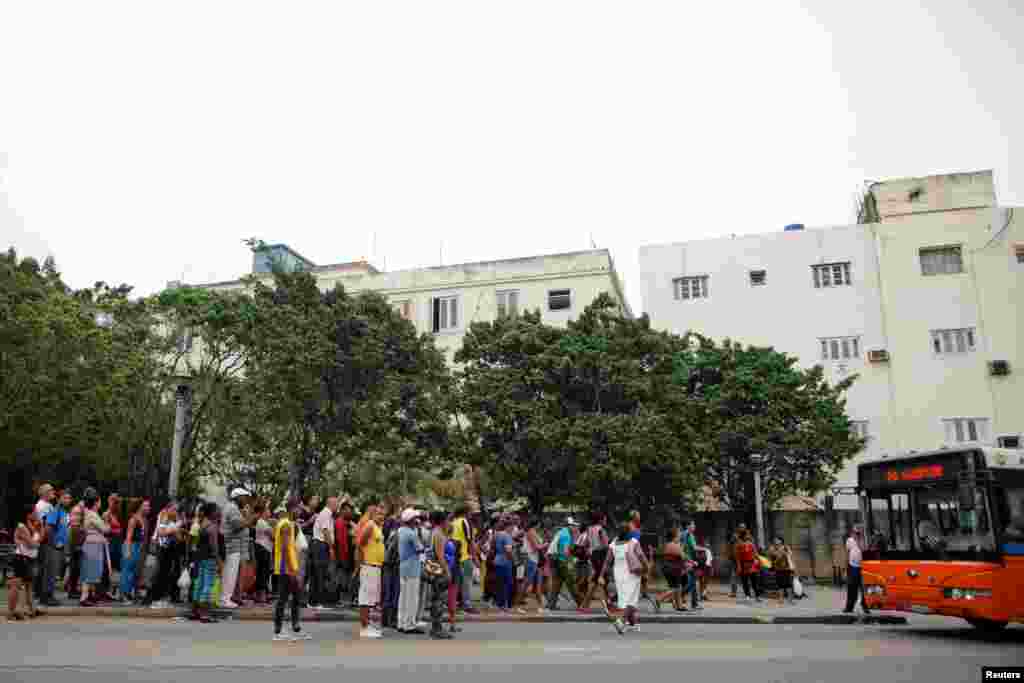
x: 459, y: 534
x: 283, y: 527
x: 373, y: 551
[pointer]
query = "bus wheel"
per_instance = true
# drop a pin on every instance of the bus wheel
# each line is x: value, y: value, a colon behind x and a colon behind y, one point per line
x: 987, y: 625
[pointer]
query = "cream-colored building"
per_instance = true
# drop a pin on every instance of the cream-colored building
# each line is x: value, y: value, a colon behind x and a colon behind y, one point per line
x: 446, y: 300
x: 926, y: 305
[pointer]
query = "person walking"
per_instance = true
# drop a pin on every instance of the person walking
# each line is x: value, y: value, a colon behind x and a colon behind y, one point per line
x: 597, y: 546
x: 95, y: 550
x: 673, y: 568
x: 558, y: 558
x: 782, y: 563
x: 321, y: 554
x: 410, y: 572
x: 855, y: 579
x: 286, y: 567
x: 689, y: 543
x: 208, y: 561
x: 57, y: 533
x: 238, y: 518
x: 344, y: 554
x: 462, y: 533
x: 748, y: 564
x: 629, y: 564
x: 132, y: 549
x: 504, y: 566
x: 28, y: 536
x: 370, y: 541
x: 534, y: 544
x: 44, y: 506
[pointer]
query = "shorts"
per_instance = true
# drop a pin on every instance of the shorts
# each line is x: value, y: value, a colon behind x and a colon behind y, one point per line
x: 674, y: 580
x: 597, y: 560
x: 583, y: 568
x: 369, y: 586
x: 533, y: 574
x: 22, y: 567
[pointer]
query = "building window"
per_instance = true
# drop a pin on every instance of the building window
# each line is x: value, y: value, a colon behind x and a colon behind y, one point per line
x: 446, y: 313
x: 941, y: 261
x: 832, y: 275
x: 404, y: 308
x: 758, y: 278
x: 691, y: 287
x: 859, y: 428
x: 1008, y: 441
x: 183, y: 339
x: 953, y: 341
x: 508, y: 303
x: 840, y: 348
x: 966, y: 429
x: 559, y: 299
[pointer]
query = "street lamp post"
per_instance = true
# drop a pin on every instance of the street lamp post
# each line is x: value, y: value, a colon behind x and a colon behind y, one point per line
x: 756, y: 461
x: 182, y: 401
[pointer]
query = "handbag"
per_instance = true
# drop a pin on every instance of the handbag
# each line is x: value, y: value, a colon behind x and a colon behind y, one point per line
x: 184, y: 580
x: 432, y: 569
x: 246, y: 578
x: 301, y: 544
x: 798, y: 587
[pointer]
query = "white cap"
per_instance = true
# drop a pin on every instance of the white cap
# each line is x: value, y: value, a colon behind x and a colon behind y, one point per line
x: 572, y: 522
x: 238, y: 493
x: 408, y: 514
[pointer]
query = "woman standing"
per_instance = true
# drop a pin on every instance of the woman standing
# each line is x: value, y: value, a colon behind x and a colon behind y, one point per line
x: 166, y: 536
x: 630, y: 564
x: 747, y: 564
x: 597, y: 547
x: 112, y: 518
x: 452, y: 555
x: 208, y: 562
x: 27, y: 538
x: 133, y: 549
x: 535, y: 548
x: 264, y: 551
x: 94, y: 549
x: 504, y: 566
x: 782, y: 562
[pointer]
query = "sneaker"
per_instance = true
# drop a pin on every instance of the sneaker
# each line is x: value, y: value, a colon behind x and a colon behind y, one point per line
x: 370, y: 633
x: 635, y: 628
x: 300, y: 635
x: 281, y: 638
x: 315, y: 606
x: 758, y: 600
x: 228, y: 604
x: 441, y: 635
x: 422, y: 625
x: 620, y: 626
x: 698, y: 608
x: 605, y: 606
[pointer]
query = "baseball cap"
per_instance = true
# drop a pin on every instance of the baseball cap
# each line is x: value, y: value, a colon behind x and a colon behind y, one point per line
x: 238, y: 493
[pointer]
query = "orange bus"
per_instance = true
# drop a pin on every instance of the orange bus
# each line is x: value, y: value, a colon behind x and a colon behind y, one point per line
x: 945, y: 534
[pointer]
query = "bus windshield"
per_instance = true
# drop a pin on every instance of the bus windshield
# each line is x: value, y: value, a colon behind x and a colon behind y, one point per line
x: 930, y: 522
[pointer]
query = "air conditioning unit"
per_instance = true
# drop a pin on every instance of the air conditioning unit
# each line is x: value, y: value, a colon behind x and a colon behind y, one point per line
x: 998, y: 368
x: 1008, y: 442
x: 878, y: 356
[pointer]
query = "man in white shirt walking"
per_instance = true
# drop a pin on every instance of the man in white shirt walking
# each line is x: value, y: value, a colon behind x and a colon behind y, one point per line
x: 854, y: 577
x: 321, y: 553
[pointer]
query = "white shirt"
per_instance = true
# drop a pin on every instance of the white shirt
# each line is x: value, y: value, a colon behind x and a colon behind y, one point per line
x: 853, y: 551
x: 43, y: 508
x: 323, y: 527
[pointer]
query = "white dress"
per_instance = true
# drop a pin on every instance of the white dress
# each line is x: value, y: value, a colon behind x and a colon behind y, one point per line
x: 626, y: 582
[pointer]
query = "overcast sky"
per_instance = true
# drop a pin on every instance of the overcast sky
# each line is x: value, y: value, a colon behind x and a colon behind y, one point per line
x: 143, y: 141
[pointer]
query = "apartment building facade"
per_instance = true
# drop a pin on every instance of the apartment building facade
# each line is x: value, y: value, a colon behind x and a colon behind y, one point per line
x: 446, y: 300
x: 925, y: 306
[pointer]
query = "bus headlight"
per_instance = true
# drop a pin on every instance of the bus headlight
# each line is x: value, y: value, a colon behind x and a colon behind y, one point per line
x: 874, y: 589
x: 966, y: 593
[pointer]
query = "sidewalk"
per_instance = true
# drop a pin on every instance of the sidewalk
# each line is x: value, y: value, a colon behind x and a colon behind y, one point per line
x: 823, y: 605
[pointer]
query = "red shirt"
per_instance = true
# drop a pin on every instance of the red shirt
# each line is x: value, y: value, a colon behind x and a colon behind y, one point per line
x: 341, y: 539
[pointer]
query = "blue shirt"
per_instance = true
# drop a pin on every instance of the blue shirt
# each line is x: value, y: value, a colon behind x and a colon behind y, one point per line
x: 501, y: 543
x: 58, y: 519
x: 634, y: 535
x: 564, y: 541
x: 409, y: 562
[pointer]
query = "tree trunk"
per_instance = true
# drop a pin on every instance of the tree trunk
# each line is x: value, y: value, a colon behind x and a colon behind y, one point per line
x: 299, y: 471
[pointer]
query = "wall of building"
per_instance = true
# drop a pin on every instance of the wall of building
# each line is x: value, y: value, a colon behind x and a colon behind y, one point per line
x: 787, y: 312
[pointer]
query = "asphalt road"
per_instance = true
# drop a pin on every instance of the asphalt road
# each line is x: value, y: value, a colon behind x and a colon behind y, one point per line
x: 119, y: 651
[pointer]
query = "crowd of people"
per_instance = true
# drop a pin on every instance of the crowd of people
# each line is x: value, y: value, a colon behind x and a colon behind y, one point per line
x: 404, y: 569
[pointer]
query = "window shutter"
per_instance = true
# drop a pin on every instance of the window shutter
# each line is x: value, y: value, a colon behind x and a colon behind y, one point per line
x: 454, y: 319
x: 436, y: 303
x: 817, y: 278
x: 513, y: 303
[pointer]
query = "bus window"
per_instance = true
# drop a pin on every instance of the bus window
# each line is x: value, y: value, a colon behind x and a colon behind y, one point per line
x: 1013, y: 515
x: 941, y: 525
x: 890, y: 522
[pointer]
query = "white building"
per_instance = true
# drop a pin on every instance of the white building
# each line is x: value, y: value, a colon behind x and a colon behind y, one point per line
x: 917, y: 304
x: 446, y: 300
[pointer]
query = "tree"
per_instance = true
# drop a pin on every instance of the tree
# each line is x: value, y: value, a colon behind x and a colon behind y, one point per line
x: 755, y: 400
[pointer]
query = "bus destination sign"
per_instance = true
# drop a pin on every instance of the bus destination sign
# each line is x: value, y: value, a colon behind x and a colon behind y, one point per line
x: 919, y: 473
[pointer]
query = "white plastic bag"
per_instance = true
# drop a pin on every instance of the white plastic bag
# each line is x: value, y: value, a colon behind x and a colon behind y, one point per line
x: 798, y: 588
x: 476, y: 575
x: 184, y: 580
x: 301, y: 544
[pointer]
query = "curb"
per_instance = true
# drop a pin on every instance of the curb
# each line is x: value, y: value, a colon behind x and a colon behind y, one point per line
x: 348, y: 616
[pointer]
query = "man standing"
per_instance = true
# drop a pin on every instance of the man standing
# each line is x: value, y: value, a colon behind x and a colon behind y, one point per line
x: 321, y: 554
x: 734, y: 573
x: 41, y: 584
x: 286, y: 568
x: 57, y: 529
x: 690, y: 554
x: 462, y: 533
x: 410, y: 569
x: 76, y: 537
x: 370, y: 540
x: 855, y: 580
x: 237, y: 523
x: 343, y: 552
x: 562, y: 543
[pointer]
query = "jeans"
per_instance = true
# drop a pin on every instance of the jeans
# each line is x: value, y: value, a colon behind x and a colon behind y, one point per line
x: 733, y: 576
x: 559, y: 577
x: 230, y: 579
x: 854, y: 588
x: 389, y: 597
x: 693, y: 589
x: 162, y: 583
x: 408, y: 603
x: 129, y: 569
x: 263, y: 562
x: 75, y: 568
x: 55, y: 570
x: 288, y: 590
x: 505, y: 576
x: 467, y: 584
x: 751, y: 581
x: 319, y: 558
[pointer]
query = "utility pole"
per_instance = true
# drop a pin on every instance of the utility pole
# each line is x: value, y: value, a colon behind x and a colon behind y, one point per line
x: 756, y: 461
x: 182, y: 401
